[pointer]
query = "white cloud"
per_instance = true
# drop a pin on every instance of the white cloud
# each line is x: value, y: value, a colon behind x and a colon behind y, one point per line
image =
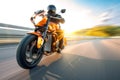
x: 18, y: 12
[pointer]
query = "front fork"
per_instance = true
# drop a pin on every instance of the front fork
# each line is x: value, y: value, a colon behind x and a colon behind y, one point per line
x: 39, y: 43
x: 40, y: 40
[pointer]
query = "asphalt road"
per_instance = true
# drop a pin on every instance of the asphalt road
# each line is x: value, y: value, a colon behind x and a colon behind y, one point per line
x: 81, y: 60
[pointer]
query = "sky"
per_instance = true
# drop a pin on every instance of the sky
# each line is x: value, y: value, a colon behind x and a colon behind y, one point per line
x: 80, y: 14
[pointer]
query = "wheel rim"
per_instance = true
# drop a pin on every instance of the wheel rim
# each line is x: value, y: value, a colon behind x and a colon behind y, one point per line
x: 31, y: 53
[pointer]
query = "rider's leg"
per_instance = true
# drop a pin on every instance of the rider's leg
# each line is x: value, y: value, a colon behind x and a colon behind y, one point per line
x: 61, y: 44
x: 53, y: 46
x: 60, y: 38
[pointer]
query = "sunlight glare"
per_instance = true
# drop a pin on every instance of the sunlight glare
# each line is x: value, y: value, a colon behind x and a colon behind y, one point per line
x: 76, y: 17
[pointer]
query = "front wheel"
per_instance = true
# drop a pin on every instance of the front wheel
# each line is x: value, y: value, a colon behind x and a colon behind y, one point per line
x: 27, y: 56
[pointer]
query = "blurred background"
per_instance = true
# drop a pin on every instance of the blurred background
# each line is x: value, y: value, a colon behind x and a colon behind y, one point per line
x: 84, y: 18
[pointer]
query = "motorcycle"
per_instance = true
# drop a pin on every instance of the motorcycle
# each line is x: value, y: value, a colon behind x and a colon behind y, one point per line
x: 35, y: 44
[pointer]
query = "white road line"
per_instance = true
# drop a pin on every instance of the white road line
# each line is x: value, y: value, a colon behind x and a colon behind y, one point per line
x: 7, y: 48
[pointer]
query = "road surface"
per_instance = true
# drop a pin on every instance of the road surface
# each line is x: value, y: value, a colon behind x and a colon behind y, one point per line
x: 97, y: 59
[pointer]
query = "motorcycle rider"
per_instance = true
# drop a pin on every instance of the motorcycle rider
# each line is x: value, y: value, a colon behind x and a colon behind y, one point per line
x: 54, y: 27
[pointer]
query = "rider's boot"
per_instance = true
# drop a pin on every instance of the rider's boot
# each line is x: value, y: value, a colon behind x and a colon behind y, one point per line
x: 59, y: 50
x: 53, y: 47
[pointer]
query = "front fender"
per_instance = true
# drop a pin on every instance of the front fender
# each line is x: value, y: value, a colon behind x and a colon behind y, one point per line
x: 35, y: 33
x: 40, y: 40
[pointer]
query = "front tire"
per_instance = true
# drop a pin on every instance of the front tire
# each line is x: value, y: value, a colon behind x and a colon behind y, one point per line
x: 26, y: 55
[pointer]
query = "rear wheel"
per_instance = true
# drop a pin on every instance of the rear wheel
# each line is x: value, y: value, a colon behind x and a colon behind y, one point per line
x: 27, y: 56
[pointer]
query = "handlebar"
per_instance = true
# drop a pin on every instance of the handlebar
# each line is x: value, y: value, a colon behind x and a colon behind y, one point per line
x: 54, y: 17
x: 39, y: 11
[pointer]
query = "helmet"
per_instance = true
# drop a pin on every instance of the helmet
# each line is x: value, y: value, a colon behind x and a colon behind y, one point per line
x: 51, y: 8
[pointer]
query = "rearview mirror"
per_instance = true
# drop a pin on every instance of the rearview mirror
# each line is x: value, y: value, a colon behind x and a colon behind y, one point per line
x: 38, y: 11
x: 63, y: 10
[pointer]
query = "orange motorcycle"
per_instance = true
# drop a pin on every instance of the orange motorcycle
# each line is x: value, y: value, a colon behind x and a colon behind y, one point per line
x: 35, y: 44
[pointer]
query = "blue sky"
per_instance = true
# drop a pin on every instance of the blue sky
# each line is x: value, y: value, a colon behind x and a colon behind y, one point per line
x: 79, y: 14
x: 98, y: 4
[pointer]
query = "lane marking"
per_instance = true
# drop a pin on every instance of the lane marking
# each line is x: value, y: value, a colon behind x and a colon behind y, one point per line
x: 7, y: 48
